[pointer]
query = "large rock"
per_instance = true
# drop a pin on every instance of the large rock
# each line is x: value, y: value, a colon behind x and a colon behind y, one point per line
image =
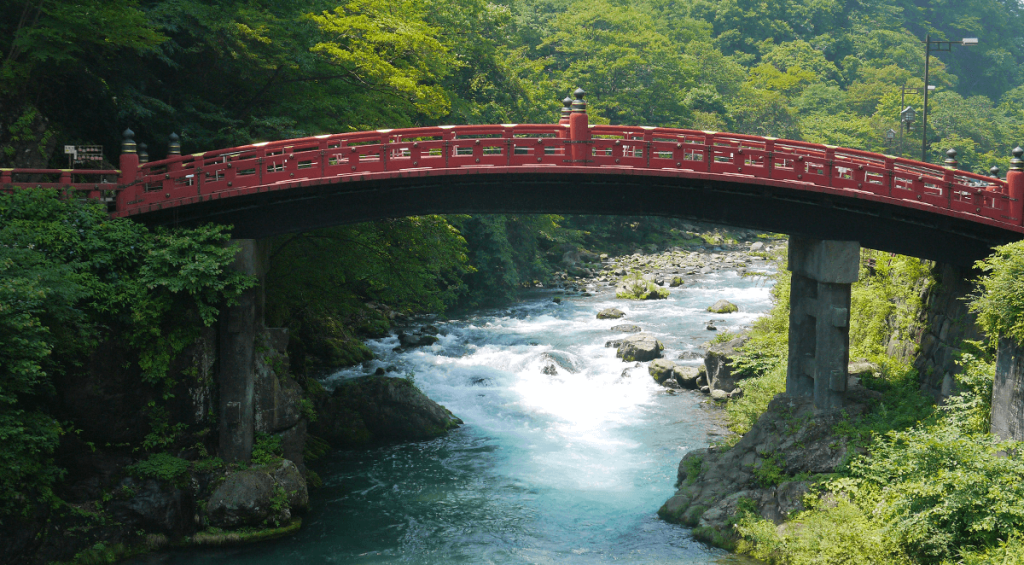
x: 687, y: 377
x: 662, y: 372
x: 256, y: 496
x: 640, y: 347
x: 373, y: 409
x: 610, y: 313
x: 723, y: 307
x: 245, y: 498
x: 153, y: 506
x: 718, y: 361
x: 789, y: 439
x: 289, y: 478
x: 408, y: 341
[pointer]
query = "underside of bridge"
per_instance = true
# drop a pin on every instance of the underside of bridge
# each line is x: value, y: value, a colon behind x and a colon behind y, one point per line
x: 887, y: 227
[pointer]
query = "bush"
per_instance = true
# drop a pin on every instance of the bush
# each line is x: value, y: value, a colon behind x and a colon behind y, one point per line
x: 160, y: 466
x: 831, y: 532
x: 1000, y: 300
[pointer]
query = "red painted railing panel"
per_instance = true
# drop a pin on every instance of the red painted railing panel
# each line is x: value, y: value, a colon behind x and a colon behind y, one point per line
x: 279, y: 165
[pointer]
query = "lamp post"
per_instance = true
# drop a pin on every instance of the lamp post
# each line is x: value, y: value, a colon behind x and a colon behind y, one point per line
x: 907, y: 116
x: 890, y: 136
x: 939, y: 46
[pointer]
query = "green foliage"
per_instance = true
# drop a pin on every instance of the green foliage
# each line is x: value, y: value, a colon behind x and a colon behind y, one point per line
x: 833, y: 531
x: 266, y: 449
x: 693, y: 467
x: 71, y: 277
x: 723, y: 337
x: 768, y: 471
x: 163, y: 434
x: 308, y: 409
x: 1000, y: 300
x: 160, y: 466
x: 940, y: 489
x: 278, y: 503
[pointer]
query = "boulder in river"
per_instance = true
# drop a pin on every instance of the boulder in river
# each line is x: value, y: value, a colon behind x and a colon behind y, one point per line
x: 369, y: 410
x: 407, y: 341
x: 610, y: 313
x: 661, y: 371
x: 676, y: 281
x: 253, y: 497
x: 626, y: 328
x: 686, y: 376
x: 718, y: 361
x: 640, y: 347
x: 723, y: 307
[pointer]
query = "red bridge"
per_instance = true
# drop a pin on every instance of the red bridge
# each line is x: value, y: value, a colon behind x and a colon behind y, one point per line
x: 805, y: 189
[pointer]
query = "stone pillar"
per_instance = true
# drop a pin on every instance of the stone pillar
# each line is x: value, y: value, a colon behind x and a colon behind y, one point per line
x: 1008, y: 392
x: 239, y: 325
x: 819, y: 319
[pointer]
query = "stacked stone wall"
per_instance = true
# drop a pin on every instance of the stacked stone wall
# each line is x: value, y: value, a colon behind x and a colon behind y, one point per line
x: 944, y: 323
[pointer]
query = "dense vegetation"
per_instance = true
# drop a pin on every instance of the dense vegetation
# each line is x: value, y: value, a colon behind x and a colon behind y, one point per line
x: 71, y: 280
x: 933, y: 485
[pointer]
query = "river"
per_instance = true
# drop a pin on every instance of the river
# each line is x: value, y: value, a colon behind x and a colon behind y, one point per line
x: 564, y: 468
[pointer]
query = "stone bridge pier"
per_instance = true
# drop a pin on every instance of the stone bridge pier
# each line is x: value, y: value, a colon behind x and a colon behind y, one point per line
x: 819, y: 319
x: 239, y: 325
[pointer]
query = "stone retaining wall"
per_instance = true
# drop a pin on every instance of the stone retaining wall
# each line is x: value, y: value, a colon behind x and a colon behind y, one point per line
x: 944, y: 323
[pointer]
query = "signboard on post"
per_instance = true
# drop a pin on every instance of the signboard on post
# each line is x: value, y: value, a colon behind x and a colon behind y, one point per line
x: 82, y: 154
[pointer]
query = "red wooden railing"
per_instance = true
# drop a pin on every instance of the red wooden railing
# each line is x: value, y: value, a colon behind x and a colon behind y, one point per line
x: 508, y: 149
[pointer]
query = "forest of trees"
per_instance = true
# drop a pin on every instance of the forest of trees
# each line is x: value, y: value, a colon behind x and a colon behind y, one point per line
x: 230, y: 72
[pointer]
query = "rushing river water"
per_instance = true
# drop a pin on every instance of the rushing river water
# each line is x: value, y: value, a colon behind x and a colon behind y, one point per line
x: 564, y: 468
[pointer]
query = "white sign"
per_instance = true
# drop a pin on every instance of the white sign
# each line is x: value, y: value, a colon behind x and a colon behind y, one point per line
x: 69, y: 150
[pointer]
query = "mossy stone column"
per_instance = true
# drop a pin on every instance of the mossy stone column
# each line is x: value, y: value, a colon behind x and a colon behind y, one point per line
x: 239, y: 325
x: 819, y: 318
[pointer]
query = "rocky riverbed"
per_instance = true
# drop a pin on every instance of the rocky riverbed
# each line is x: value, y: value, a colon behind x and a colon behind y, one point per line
x: 674, y: 266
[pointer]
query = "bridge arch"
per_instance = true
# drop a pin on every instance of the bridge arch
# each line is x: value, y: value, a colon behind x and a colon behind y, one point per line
x: 832, y: 199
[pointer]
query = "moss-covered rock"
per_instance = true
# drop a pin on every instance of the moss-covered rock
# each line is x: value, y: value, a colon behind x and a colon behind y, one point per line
x: 258, y: 496
x: 723, y: 307
x: 376, y: 409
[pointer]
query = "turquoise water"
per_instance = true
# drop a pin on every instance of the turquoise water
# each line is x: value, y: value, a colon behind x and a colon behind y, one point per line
x: 566, y: 468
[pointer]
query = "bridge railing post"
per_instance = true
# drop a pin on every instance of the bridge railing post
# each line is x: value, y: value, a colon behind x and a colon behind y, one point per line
x: 579, y: 129
x: 890, y: 173
x: 449, y: 146
x: 709, y: 150
x: 1015, y: 186
x: 173, y: 151
x: 129, y: 164
x: 563, y: 122
x: 830, y: 163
